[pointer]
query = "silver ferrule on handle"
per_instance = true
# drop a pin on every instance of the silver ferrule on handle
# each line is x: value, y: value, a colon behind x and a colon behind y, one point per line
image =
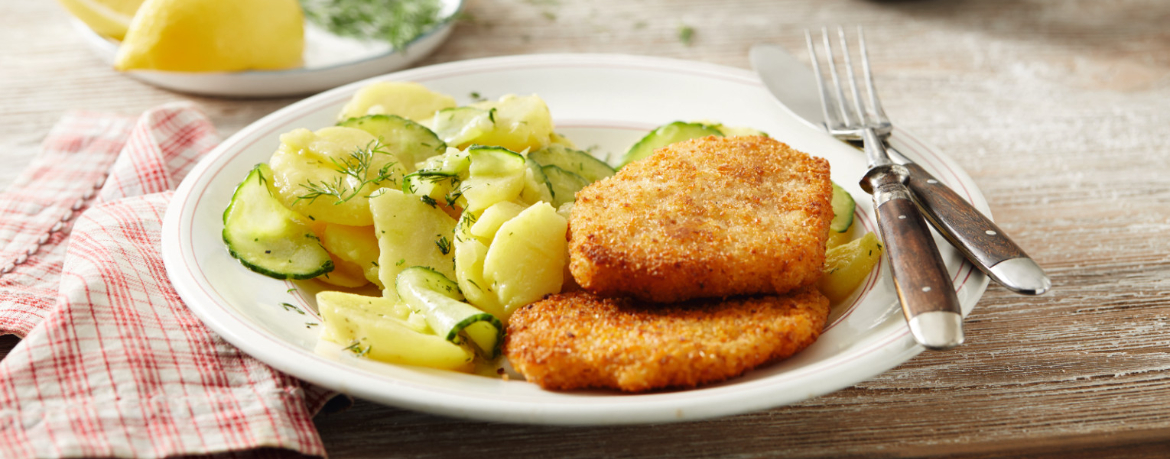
x: 980, y: 240
x: 921, y: 279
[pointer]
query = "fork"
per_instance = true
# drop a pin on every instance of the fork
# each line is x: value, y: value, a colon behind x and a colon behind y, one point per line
x: 920, y: 277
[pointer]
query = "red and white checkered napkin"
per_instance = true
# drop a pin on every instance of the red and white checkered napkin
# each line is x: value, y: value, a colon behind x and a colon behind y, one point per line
x: 112, y: 362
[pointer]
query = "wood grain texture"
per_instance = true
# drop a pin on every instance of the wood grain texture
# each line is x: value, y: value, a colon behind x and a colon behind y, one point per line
x: 920, y: 275
x: 1057, y: 109
x: 964, y: 226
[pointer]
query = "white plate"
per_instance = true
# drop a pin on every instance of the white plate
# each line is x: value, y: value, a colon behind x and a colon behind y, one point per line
x: 329, y: 61
x: 600, y: 101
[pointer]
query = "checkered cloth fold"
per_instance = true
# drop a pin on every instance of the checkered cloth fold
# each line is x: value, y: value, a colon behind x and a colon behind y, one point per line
x: 112, y: 363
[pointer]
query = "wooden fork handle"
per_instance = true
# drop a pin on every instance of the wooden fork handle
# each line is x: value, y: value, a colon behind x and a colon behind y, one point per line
x: 975, y: 235
x: 920, y: 277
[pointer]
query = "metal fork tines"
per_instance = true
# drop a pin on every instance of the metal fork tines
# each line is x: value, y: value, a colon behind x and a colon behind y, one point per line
x: 920, y: 277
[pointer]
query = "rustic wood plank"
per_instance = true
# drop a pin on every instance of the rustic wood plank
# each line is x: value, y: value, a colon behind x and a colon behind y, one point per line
x: 1056, y: 109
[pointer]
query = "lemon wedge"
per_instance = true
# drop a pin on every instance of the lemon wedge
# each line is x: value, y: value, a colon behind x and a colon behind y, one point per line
x: 213, y: 36
x: 106, y: 17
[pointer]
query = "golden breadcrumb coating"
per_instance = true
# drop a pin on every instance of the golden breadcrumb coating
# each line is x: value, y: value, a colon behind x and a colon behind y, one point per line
x: 577, y: 340
x: 705, y: 218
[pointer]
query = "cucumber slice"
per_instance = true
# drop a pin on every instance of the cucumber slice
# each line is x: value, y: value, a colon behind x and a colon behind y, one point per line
x: 407, y: 140
x: 463, y: 125
x: 536, y: 186
x: 497, y: 174
x: 439, y: 177
x: 410, y: 232
x: 440, y: 299
x: 575, y: 161
x: 370, y: 327
x: 269, y: 238
x: 432, y: 184
x: 565, y: 184
x: 454, y: 161
x: 675, y: 132
x: 843, y: 206
x: 729, y: 131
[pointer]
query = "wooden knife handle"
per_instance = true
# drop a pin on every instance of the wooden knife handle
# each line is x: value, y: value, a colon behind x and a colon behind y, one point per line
x: 975, y: 235
x: 924, y: 287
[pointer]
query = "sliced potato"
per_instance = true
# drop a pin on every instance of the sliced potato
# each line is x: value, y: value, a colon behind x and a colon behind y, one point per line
x: 411, y: 232
x: 526, y: 259
x: 355, y: 244
x: 493, y: 217
x: 835, y: 239
x: 412, y: 101
x: 557, y: 139
x: 496, y: 175
x: 847, y: 266
x: 345, y: 274
x: 463, y: 126
x: 469, y: 257
x: 328, y: 175
x: 367, y: 326
x: 521, y: 123
x: 517, y: 123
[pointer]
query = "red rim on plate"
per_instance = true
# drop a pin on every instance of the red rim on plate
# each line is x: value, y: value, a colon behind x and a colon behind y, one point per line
x: 603, y: 99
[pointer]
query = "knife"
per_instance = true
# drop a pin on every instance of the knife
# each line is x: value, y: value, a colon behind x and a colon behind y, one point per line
x: 983, y: 243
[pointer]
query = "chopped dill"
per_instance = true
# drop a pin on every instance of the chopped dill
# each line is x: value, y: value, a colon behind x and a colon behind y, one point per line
x: 444, y: 244
x: 453, y: 196
x: 356, y: 348
x: 397, y: 22
x: 428, y: 200
x: 289, y: 307
x: 686, y: 34
x: 357, y: 166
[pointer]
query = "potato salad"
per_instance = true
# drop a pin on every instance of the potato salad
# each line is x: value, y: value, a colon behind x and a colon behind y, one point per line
x: 457, y: 214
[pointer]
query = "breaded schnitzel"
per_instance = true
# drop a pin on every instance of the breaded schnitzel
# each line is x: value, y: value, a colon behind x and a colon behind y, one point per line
x: 577, y: 340
x: 704, y: 218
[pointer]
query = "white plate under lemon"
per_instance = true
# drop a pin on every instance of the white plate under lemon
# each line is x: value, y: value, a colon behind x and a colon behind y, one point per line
x: 602, y: 101
x: 280, y: 58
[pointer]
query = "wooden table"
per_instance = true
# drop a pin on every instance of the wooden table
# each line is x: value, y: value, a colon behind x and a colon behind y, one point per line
x: 1058, y: 110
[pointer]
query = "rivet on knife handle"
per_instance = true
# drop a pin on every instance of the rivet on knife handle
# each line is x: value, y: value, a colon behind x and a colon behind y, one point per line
x: 980, y: 240
x: 920, y: 277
